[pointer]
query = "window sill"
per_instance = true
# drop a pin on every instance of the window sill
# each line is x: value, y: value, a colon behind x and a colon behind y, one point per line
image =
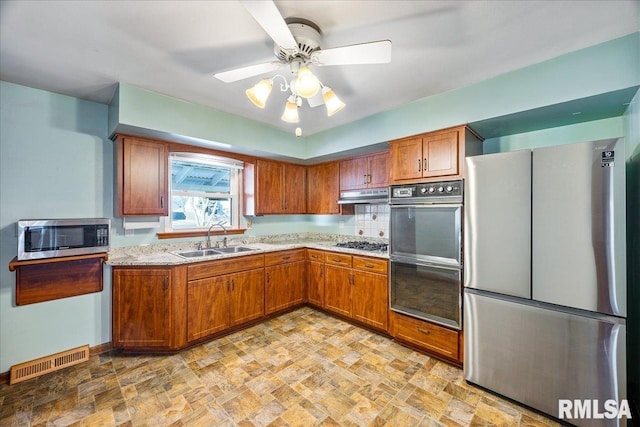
x: 197, y: 233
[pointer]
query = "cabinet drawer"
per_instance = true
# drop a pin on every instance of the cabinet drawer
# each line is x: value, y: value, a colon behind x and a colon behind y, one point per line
x: 338, y: 259
x: 284, y: 257
x: 425, y: 335
x: 315, y: 255
x: 374, y: 265
x: 224, y: 266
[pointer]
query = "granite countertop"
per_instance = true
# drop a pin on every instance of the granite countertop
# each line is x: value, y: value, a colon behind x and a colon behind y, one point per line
x: 162, y: 254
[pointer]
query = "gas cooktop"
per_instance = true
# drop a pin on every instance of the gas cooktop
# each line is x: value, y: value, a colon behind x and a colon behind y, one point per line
x: 365, y: 246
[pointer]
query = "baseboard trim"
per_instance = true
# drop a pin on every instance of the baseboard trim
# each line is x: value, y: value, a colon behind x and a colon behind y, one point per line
x: 98, y: 349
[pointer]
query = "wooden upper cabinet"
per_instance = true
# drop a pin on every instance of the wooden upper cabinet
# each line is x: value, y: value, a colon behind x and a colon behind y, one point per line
x: 141, y: 177
x: 435, y: 155
x: 371, y: 171
x: 323, y: 188
x: 295, y: 189
x: 274, y: 188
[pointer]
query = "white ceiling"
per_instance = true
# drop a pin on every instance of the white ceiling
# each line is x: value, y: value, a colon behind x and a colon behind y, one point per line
x: 83, y: 48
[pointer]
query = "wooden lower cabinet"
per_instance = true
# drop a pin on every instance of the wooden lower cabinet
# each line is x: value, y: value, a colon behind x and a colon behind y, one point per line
x: 217, y: 303
x: 149, y: 308
x: 434, y: 339
x: 315, y: 283
x: 285, y: 278
x: 337, y: 289
x: 357, y: 287
x: 370, y: 299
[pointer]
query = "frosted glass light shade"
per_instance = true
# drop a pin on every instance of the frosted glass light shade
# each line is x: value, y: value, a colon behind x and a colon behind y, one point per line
x: 331, y: 101
x: 290, y: 114
x: 259, y: 93
x: 307, y: 84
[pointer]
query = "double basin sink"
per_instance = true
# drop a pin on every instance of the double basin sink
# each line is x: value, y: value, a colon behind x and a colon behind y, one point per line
x: 217, y: 251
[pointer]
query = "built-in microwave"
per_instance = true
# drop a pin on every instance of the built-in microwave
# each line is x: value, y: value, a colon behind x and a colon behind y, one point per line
x: 51, y: 238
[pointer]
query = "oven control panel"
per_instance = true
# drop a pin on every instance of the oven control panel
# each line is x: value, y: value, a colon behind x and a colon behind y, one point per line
x: 428, y: 190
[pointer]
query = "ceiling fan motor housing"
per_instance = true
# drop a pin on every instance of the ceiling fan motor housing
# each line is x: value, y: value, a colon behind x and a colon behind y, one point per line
x: 306, y: 34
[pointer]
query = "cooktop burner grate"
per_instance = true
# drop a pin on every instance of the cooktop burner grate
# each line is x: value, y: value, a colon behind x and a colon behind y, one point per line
x: 365, y: 246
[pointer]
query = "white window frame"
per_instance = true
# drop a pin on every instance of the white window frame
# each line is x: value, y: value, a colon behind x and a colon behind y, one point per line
x: 235, y: 186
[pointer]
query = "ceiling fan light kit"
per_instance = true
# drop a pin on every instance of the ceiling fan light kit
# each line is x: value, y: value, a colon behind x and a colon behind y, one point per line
x: 259, y: 93
x: 297, y: 44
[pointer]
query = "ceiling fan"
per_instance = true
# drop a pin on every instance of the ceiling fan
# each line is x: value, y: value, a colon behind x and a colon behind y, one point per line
x: 297, y: 45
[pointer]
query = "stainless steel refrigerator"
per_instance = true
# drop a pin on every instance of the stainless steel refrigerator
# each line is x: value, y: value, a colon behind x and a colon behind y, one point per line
x: 545, y: 277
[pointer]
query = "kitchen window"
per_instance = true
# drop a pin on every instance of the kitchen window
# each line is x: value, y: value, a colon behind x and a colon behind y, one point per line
x: 204, y: 191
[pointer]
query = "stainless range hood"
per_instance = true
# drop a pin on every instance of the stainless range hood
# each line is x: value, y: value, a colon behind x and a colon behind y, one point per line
x: 372, y: 195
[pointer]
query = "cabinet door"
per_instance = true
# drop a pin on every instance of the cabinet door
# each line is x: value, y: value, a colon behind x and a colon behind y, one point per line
x: 337, y: 289
x: 407, y: 159
x: 371, y: 299
x: 315, y: 290
x: 269, y: 187
x: 441, y: 154
x: 141, y: 308
x: 247, y: 296
x: 354, y: 174
x: 323, y: 184
x: 143, y: 179
x: 284, y: 286
x: 207, y: 306
x: 378, y: 170
x: 295, y: 189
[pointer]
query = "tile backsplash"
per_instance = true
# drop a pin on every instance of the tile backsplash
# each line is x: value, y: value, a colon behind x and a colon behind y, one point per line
x: 372, y: 220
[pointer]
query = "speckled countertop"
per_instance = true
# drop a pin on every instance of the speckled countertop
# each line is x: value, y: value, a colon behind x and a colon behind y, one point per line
x: 162, y: 253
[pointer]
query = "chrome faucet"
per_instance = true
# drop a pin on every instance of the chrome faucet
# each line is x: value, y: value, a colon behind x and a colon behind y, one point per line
x: 219, y: 224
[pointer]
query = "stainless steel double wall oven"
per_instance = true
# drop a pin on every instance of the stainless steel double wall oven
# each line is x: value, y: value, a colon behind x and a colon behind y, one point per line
x: 425, y: 251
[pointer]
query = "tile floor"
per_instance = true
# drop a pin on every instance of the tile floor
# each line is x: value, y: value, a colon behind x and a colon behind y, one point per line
x: 301, y: 369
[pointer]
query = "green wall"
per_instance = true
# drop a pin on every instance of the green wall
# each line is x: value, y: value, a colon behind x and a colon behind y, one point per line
x: 56, y: 161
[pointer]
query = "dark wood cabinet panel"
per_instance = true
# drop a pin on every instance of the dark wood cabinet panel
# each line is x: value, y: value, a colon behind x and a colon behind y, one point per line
x: 440, y: 154
x: 362, y: 172
x: 274, y: 188
x: 354, y: 173
x: 207, y: 306
x: 284, y: 286
x: 141, y: 177
x: 370, y: 299
x: 323, y: 188
x: 337, y: 289
x: 247, y: 296
x: 315, y: 287
x: 142, y: 308
x: 269, y: 187
x: 433, y: 156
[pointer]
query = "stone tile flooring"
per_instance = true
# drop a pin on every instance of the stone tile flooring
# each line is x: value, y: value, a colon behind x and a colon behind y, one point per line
x: 301, y: 369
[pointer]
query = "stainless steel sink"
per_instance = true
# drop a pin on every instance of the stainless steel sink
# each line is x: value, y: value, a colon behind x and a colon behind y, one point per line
x: 217, y: 251
x: 234, y: 249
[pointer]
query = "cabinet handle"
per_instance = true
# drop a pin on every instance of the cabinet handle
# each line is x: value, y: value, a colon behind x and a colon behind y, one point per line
x: 424, y: 164
x: 267, y: 277
x: 335, y: 259
x: 419, y: 166
x: 369, y: 182
x: 365, y: 178
x: 424, y: 331
x: 321, y: 272
x: 162, y: 201
x: 369, y: 265
x: 233, y: 284
x: 284, y: 258
x: 165, y: 283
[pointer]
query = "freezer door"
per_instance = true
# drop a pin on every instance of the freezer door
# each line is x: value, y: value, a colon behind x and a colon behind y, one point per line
x: 578, y: 252
x: 497, y: 231
x: 537, y: 356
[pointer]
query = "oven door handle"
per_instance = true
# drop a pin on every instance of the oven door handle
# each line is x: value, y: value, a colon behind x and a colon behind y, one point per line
x: 423, y: 263
x: 427, y: 205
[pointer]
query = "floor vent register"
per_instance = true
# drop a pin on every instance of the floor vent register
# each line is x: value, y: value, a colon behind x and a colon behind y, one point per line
x: 44, y: 365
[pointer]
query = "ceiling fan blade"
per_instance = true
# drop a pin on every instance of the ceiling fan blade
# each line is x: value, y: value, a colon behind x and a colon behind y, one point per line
x: 270, y: 19
x: 365, y: 53
x: 245, y: 72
